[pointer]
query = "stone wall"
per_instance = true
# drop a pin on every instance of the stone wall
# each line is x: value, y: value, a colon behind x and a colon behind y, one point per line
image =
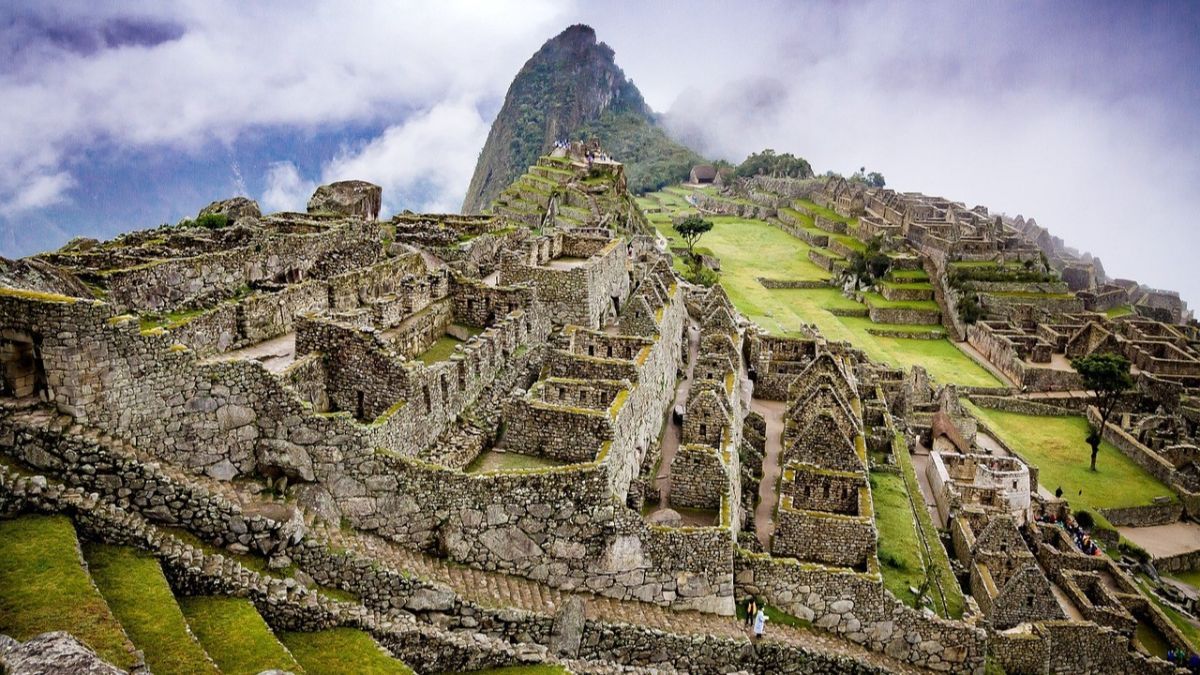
x: 699, y: 479
x: 856, y: 607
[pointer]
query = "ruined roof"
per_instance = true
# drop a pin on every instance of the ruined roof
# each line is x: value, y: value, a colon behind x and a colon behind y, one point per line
x: 943, y: 426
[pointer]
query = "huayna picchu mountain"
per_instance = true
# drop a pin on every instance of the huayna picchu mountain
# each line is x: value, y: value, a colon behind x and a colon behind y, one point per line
x: 572, y: 89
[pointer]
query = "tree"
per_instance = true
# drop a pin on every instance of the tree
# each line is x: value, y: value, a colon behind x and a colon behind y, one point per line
x: 868, y: 265
x: 1107, y: 377
x: 875, y: 179
x: 691, y: 229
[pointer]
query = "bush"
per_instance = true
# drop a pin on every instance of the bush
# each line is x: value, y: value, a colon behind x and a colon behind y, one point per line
x: 213, y: 221
x: 1134, y: 551
x: 968, y: 308
x: 701, y: 275
x: 1085, y: 519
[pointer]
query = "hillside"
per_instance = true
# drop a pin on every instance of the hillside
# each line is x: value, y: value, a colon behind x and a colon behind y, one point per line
x: 572, y: 89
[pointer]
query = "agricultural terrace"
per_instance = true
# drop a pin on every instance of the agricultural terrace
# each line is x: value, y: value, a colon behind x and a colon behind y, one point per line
x: 749, y: 249
x: 1056, y: 446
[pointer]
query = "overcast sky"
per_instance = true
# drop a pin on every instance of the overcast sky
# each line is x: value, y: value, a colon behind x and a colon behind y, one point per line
x: 1083, y: 116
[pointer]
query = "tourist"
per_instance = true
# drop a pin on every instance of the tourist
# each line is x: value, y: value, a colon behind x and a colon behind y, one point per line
x: 760, y: 622
x: 1058, y: 492
x: 751, y: 610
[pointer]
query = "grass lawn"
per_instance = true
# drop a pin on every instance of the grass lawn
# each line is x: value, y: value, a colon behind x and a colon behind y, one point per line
x: 45, y: 587
x: 235, y: 636
x: 1057, y: 447
x: 492, y: 460
x: 749, y: 249
x: 137, y: 592
x: 341, y: 650
x: 909, y: 276
x: 899, y: 550
x: 440, y: 350
x: 1123, y: 310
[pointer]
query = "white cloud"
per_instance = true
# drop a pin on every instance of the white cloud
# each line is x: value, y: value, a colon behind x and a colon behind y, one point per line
x: 40, y: 191
x: 424, y: 164
x: 286, y: 189
x: 237, y: 66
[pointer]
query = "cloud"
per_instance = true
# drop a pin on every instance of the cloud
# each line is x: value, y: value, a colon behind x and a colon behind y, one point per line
x: 286, y: 189
x: 180, y: 76
x: 41, y: 191
x: 424, y: 164
x: 1024, y: 110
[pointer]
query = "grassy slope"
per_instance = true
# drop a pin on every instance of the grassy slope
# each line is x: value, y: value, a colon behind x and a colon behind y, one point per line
x: 341, y: 650
x: 134, y: 586
x: 498, y: 461
x: 1056, y: 446
x: 45, y: 587
x: 749, y: 249
x: 235, y: 636
x: 440, y: 350
x: 899, y: 552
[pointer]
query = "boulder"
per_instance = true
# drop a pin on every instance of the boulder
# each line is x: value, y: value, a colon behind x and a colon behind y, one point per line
x: 235, y: 208
x: 666, y: 518
x: 566, y: 633
x: 56, y: 653
x: 349, y: 198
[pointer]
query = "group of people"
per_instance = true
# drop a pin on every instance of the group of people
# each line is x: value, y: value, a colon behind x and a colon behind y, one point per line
x: 1181, y: 658
x: 1083, y: 540
x: 756, y: 618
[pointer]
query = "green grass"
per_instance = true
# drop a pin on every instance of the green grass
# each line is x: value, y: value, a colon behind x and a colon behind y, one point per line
x: 876, y: 300
x: 491, y: 460
x: 235, y: 636
x: 341, y: 650
x: 909, y: 285
x: 909, y: 275
x: 749, y: 249
x: 1123, y: 310
x: 440, y: 350
x: 137, y: 592
x: 774, y: 616
x: 934, y: 554
x: 899, y: 549
x: 45, y: 587
x: 1191, y: 632
x: 1057, y: 447
x: 1192, y: 577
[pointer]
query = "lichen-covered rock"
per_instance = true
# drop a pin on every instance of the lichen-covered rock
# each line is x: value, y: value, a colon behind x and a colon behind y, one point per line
x: 55, y: 653
x: 348, y: 197
x: 235, y: 208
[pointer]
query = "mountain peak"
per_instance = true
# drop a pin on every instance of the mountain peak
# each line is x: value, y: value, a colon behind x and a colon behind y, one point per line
x: 569, y: 89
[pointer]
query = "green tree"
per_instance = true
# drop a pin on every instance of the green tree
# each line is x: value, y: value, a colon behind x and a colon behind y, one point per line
x: 867, y: 266
x: 690, y: 229
x: 769, y: 163
x: 875, y: 179
x: 1107, y: 377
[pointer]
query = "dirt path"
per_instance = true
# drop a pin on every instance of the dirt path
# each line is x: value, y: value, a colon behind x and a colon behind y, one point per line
x: 670, y: 442
x: 920, y: 459
x: 768, y: 487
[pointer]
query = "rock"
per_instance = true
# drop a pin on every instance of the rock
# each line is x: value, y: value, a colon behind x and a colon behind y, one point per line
x: 566, y: 633
x: 624, y: 553
x: 275, y: 457
x: 222, y: 470
x: 510, y: 543
x: 666, y: 518
x: 435, y: 599
x: 349, y: 198
x: 317, y: 501
x: 234, y: 416
x: 235, y: 208
x: 55, y: 653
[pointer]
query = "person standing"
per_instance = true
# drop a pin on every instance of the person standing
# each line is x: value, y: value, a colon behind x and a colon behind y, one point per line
x: 760, y: 623
x: 751, y: 610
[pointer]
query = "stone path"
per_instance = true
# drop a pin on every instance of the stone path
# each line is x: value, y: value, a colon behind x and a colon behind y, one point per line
x: 275, y: 354
x: 1161, y: 541
x: 768, y: 486
x: 671, y: 435
x: 488, y: 589
x: 969, y: 350
x: 920, y: 459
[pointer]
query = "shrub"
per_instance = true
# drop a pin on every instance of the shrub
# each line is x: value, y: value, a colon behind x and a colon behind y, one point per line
x: 701, y: 275
x: 213, y: 221
x: 1134, y: 551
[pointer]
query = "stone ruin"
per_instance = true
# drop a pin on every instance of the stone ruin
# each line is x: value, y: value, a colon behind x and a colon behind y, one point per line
x: 453, y: 418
